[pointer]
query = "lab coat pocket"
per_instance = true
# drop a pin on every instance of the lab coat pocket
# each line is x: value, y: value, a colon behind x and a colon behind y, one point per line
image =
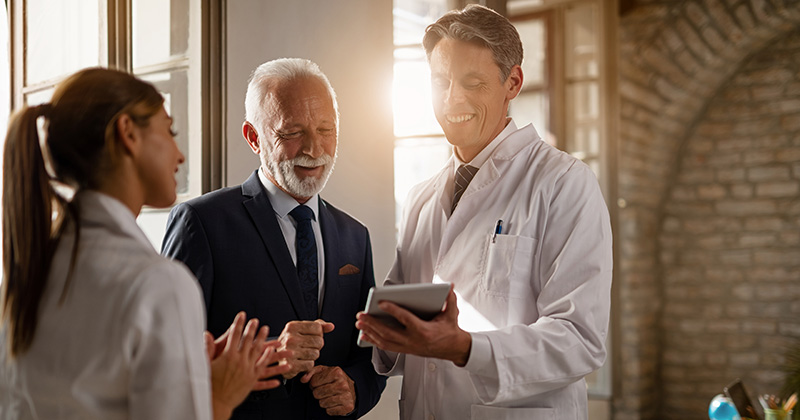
x: 485, y: 412
x: 507, y: 265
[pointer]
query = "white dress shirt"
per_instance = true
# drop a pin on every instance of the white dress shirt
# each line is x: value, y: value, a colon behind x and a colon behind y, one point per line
x: 535, y: 298
x: 127, y: 341
x: 284, y: 203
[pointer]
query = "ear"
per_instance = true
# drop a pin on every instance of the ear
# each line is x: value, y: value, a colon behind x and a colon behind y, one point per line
x: 251, y: 136
x: 127, y: 135
x: 513, y: 83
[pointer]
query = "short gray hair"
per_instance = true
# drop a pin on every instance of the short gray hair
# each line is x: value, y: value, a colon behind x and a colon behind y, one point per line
x: 479, y: 24
x: 266, y: 76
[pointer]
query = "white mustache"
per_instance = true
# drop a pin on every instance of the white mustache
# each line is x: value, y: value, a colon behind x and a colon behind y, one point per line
x: 309, y: 162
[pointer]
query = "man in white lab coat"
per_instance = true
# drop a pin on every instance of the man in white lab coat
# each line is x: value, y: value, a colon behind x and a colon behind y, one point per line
x: 528, y: 317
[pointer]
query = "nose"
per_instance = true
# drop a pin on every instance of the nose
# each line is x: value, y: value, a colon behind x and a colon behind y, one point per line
x: 313, y: 145
x: 453, y: 94
x: 181, y: 158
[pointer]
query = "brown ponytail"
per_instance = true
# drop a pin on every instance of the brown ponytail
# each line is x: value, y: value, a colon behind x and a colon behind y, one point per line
x: 80, y: 145
x: 28, y: 240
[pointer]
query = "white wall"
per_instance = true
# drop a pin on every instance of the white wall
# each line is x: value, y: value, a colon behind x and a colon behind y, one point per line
x: 351, y: 40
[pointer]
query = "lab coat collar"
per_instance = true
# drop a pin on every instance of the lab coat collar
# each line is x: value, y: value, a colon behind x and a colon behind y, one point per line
x: 491, y: 171
x: 487, y: 151
x: 103, y: 210
x: 503, y: 148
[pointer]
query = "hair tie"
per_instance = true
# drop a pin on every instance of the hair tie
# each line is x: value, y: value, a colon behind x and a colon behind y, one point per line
x: 43, y: 110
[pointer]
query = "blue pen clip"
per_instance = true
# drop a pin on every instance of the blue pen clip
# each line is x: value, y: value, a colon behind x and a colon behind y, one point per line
x: 498, y: 229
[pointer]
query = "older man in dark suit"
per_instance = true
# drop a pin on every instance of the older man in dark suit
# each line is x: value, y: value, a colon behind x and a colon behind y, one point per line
x: 273, y: 248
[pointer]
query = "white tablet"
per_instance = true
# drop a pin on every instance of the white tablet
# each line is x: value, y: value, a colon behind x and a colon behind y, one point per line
x: 424, y: 300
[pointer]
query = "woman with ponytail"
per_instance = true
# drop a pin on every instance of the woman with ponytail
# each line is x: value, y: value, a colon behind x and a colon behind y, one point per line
x: 94, y: 324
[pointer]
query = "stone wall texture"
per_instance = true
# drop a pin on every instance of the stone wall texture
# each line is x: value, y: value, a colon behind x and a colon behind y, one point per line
x: 709, y: 173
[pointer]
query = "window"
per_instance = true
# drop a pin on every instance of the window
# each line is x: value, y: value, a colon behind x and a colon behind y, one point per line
x: 420, y: 147
x: 562, y: 94
x: 161, y: 41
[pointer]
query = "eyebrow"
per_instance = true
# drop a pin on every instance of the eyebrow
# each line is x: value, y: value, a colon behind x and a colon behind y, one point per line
x: 472, y: 74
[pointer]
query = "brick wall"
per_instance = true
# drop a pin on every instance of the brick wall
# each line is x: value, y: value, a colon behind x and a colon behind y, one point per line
x: 730, y: 239
x: 708, y: 174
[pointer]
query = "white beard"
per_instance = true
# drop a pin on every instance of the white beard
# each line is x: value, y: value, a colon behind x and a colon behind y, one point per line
x: 283, y: 173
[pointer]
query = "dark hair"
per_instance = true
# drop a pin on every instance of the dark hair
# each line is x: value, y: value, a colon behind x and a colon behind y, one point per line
x: 483, y: 26
x: 80, y: 140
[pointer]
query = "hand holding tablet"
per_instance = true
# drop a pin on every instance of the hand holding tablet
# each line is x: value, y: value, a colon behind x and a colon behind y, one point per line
x: 424, y: 300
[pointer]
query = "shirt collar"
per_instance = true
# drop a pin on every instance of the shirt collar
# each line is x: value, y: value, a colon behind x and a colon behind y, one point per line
x: 487, y: 151
x: 282, y: 202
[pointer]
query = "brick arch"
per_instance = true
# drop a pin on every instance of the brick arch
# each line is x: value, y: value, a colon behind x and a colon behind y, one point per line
x: 675, y: 56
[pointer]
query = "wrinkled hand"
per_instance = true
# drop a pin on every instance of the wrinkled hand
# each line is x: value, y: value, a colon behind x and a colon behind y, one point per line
x: 334, y: 390
x: 304, y: 339
x: 440, y: 337
x: 239, y: 358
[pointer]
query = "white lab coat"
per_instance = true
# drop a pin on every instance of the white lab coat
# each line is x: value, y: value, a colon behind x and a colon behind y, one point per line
x: 535, y: 298
x: 126, y: 342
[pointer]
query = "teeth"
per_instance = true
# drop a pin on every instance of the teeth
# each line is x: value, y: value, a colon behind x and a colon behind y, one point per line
x: 459, y: 118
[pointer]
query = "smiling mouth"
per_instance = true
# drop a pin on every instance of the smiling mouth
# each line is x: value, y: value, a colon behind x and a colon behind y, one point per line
x: 456, y: 119
x: 308, y: 170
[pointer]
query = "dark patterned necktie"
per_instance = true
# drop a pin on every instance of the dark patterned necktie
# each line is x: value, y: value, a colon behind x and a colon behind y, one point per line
x: 464, y: 175
x: 307, y: 268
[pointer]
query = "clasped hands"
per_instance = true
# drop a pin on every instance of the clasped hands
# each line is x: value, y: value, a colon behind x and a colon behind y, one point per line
x: 330, y: 385
x: 439, y: 338
x: 241, y: 360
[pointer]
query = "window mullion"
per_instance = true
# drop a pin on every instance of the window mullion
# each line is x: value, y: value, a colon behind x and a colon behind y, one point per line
x: 119, y: 34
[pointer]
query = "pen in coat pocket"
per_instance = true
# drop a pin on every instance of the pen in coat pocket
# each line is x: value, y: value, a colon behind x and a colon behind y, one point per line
x: 498, y: 229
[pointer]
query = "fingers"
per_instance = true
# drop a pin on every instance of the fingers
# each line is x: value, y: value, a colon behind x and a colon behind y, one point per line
x: 235, y: 332
x: 209, y: 340
x: 334, y: 390
x: 404, y: 316
x: 272, y: 356
x: 311, y: 372
x: 316, y: 327
x: 265, y: 372
x: 264, y: 385
x: 326, y: 326
x: 451, y: 304
x: 246, y: 341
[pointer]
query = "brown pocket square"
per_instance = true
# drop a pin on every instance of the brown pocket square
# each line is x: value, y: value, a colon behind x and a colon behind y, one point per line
x: 348, y: 269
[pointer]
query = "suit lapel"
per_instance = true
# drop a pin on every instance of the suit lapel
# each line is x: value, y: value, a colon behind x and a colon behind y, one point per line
x: 330, y: 242
x: 257, y: 204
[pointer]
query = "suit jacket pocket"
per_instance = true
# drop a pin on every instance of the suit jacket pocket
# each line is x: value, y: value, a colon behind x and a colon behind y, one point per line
x: 507, y: 266
x: 485, y: 412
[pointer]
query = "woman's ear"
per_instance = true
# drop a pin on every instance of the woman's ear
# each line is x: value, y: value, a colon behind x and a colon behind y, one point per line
x: 127, y: 135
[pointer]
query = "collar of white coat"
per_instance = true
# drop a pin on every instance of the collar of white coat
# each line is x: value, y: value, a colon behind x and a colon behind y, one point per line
x: 98, y: 208
x: 503, y: 148
x: 282, y: 202
x: 484, y: 154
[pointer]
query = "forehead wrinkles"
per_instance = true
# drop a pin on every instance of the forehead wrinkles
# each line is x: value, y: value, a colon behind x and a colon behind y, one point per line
x: 463, y: 60
x: 300, y: 103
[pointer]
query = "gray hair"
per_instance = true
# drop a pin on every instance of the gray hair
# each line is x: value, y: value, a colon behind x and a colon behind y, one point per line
x: 266, y: 76
x: 479, y: 24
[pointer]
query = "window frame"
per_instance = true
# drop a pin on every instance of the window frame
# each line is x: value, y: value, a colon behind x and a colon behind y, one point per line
x: 115, y: 33
x: 554, y: 14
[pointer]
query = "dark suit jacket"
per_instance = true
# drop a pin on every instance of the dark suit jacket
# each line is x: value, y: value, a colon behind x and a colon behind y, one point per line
x: 231, y: 240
